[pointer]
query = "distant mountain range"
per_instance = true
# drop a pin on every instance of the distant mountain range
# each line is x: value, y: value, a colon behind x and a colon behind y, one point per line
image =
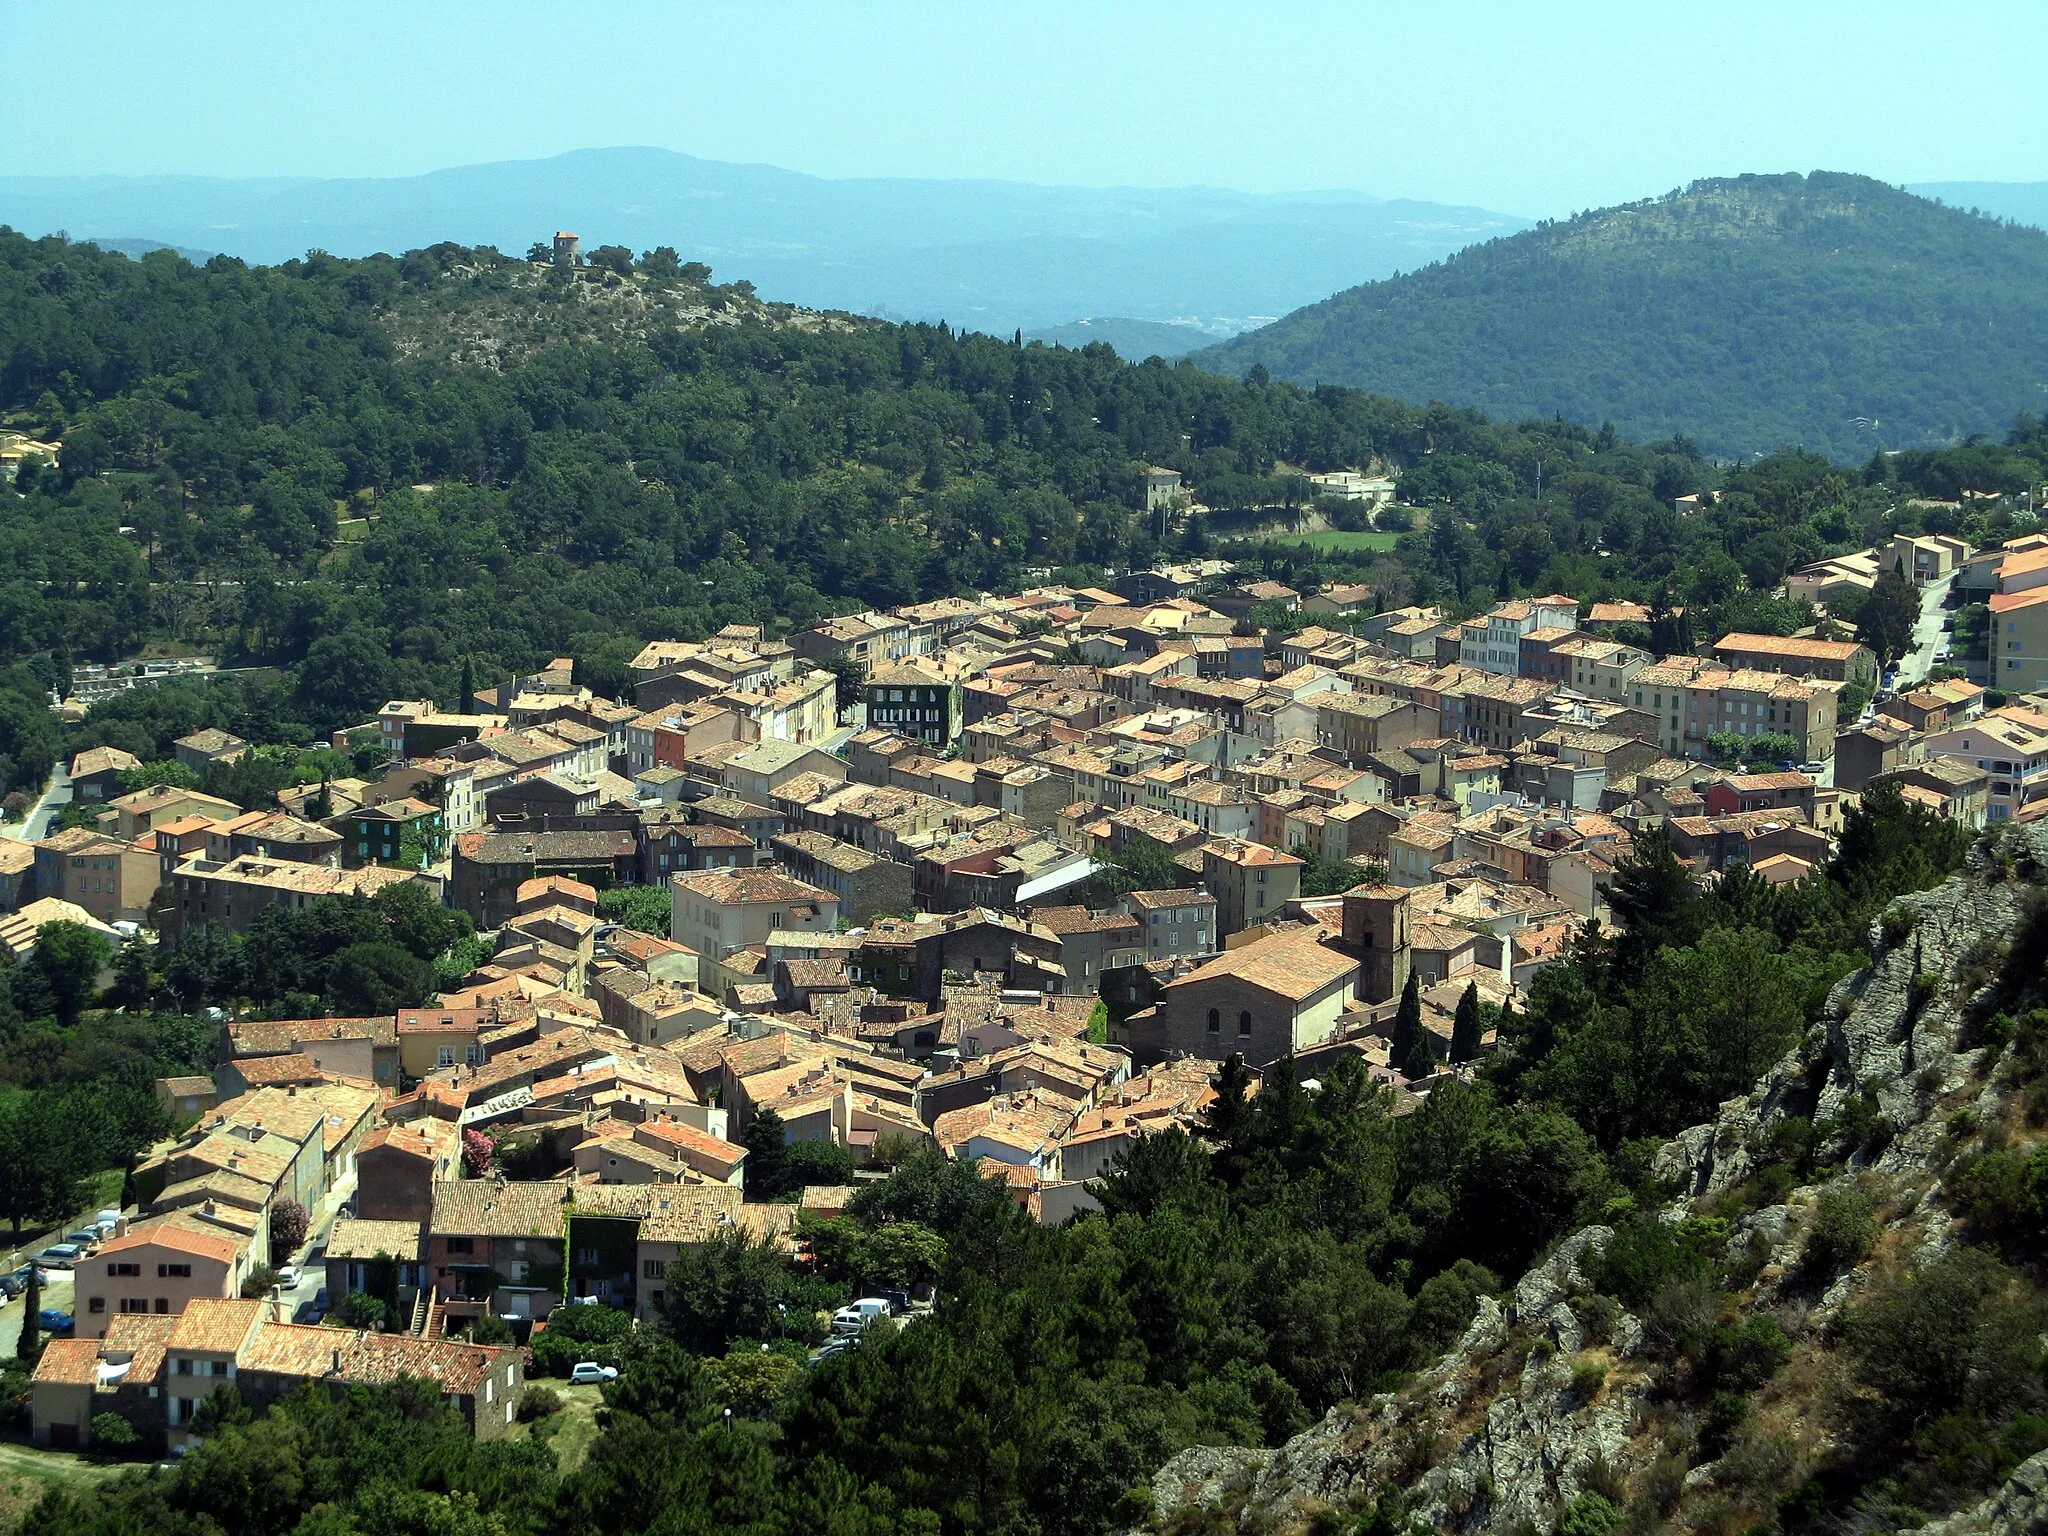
x: 1829, y: 310
x: 989, y: 255
x: 2024, y: 202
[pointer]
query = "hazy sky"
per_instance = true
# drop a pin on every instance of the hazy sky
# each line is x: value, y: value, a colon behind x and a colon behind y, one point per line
x: 1529, y: 107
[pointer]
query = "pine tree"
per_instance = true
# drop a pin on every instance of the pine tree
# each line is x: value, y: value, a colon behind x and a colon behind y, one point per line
x: 1410, y: 1039
x: 1465, y: 1027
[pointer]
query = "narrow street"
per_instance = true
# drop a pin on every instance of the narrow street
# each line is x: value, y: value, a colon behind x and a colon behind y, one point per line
x: 55, y: 796
x: 1928, y: 634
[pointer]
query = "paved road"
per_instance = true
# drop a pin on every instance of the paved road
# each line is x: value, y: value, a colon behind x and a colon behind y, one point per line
x: 312, y: 1259
x: 57, y: 1293
x: 56, y: 795
x: 1928, y: 635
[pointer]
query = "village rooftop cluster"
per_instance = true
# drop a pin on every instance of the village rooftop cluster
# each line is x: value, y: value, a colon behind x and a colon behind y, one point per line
x: 900, y: 852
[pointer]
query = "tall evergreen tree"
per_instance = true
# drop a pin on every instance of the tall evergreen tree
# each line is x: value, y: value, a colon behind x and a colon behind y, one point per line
x: 1465, y: 1027
x: 30, y: 1345
x: 1410, y: 1042
x: 1888, y: 615
x: 1654, y: 901
x: 466, y: 705
x: 767, y: 1166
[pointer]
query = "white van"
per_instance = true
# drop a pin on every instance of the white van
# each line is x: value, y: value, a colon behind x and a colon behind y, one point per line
x: 855, y: 1316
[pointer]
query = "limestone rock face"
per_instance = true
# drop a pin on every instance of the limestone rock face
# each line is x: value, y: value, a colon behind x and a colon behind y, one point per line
x: 1890, y: 1030
x: 1202, y: 1476
x: 2020, y: 1508
x: 1494, y: 1437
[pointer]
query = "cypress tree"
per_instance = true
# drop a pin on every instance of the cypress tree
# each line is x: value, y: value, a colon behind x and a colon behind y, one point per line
x: 1465, y: 1027
x: 30, y: 1345
x: 466, y: 705
x: 1409, y: 1037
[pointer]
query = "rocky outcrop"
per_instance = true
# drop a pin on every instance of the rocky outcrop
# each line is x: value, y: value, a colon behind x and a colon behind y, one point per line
x: 2019, y: 1508
x: 1497, y: 1436
x: 1891, y: 1031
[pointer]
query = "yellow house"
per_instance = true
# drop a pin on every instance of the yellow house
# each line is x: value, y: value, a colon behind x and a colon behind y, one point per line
x: 440, y: 1037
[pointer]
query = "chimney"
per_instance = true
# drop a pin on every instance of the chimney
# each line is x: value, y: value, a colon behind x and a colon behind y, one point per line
x: 337, y: 1363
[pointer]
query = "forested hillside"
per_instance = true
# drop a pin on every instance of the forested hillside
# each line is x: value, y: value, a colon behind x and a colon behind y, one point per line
x: 363, y: 473
x: 1829, y: 310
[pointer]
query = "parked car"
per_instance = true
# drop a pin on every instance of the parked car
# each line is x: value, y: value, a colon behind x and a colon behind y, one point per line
x: 845, y: 1344
x: 11, y: 1287
x: 52, y: 1320
x: 60, y: 1256
x: 87, y: 1238
x: 589, y: 1373
x: 20, y: 1276
x: 855, y: 1316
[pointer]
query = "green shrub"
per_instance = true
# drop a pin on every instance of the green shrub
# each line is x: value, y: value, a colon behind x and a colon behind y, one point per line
x: 1958, y: 1333
x: 1588, y: 1377
x: 1725, y: 1414
x: 1802, y: 1504
x: 1896, y: 924
x: 1590, y: 1514
x: 1601, y: 1476
x: 1844, y: 1227
x: 358, y: 1310
x: 1647, y: 1255
x: 1757, y: 1462
x: 1134, y: 1507
x: 576, y: 1334
x: 1864, y: 1128
x: 113, y: 1434
x: 1991, y: 1033
x: 488, y: 1328
x: 2005, y: 1192
x: 538, y: 1402
x: 1680, y: 1317
x: 1446, y: 1302
x: 1598, y: 1315
x: 1748, y: 1354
